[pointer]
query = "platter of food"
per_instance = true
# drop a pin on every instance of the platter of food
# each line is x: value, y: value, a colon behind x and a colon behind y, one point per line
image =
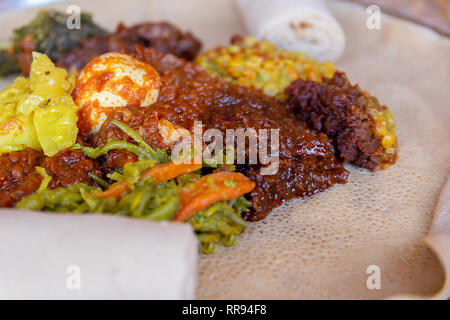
x: 271, y: 151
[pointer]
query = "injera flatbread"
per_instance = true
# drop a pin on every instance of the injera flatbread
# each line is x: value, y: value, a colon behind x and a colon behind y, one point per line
x: 321, y: 247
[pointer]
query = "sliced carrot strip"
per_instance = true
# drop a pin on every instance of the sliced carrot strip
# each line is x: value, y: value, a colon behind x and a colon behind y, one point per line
x: 158, y: 173
x: 219, y: 186
x: 114, y: 191
x: 169, y: 171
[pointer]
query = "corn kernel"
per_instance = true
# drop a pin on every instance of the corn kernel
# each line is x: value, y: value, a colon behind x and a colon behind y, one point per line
x: 388, y: 140
x: 259, y: 64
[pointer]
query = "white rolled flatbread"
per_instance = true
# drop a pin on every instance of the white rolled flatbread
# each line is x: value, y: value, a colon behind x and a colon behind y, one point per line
x: 301, y: 25
x: 71, y: 256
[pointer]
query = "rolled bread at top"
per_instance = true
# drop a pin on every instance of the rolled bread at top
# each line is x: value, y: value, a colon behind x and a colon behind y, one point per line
x: 72, y: 256
x: 302, y: 25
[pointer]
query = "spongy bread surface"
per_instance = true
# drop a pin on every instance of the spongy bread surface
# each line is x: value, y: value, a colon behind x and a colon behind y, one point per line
x: 321, y: 247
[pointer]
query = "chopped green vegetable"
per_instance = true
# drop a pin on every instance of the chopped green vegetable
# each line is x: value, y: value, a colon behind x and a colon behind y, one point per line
x: 221, y: 222
x: 142, y: 150
x: 133, y: 170
x: 153, y: 202
x: 159, y: 155
x: 46, y: 33
x: 221, y: 158
x: 94, y: 153
x: 8, y: 63
x: 45, y: 181
x: 99, y: 180
x: 115, y: 176
x: 59, y: 199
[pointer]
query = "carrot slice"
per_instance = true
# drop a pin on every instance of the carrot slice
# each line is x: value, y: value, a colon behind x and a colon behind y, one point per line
x: 169, y: 171
x: 219, y: 186
x: 158, y: 173
x: 114, y: 191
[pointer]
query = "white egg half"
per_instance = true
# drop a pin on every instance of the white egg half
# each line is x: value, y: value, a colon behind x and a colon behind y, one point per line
x: 113, y: 80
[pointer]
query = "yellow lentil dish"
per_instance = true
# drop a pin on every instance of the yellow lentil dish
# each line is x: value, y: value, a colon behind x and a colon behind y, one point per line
x: 259, y: 64
x: 361, y: 127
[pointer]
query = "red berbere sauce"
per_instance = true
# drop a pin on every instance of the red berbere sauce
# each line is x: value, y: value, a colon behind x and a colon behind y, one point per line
x: 307, y: 164
x: 189, y: 94
x: 18, y: 175
x: 19, y: 178
x: 69, y: 167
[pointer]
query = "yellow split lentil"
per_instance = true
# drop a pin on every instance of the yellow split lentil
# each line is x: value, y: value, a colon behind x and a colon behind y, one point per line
x: 259, y: 64
x: 384, y: 130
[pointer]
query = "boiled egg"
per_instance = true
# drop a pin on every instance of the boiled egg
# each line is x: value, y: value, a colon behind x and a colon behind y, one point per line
x: 113, y: 80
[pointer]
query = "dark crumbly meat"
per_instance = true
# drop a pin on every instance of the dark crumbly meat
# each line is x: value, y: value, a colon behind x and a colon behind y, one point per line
x: 18, y: 175
x: 163, y: 37
x: 19, y: 178
x: 306, y: 166
x: 69, y: 167
x: 189, y: 94
x: 346, y: 114
x: 117, y: 159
